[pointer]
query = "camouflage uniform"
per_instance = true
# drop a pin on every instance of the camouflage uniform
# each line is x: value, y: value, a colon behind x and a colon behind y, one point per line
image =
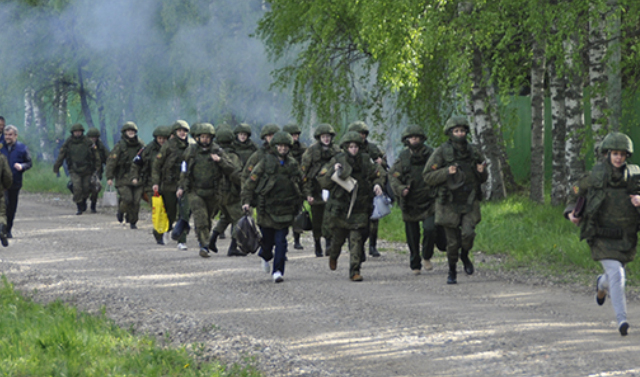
x: 457, y: 205
x: 83, y: 160
x: 201, y: 181
x: 342, y: 225
x: 267, y: 131
x: 313, y: 160
x: 275, y: 183
x: 119, y: 168
x: 375, y: 153
x: 419, y: 204
x: 610, y: 220
x: 297, y: 150
x: 103, y: 151
x: 6, y: 181
x: 245, y: 149
x: 165, y: 172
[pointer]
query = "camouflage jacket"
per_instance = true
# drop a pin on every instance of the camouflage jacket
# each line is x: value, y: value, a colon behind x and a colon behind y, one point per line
x: 82, y: 156
x: 202, y: 175
x: 313, y: 160
x: 121, y: 159
x: 143, y: 172
x: 406, y: 173
x: 165, y: 170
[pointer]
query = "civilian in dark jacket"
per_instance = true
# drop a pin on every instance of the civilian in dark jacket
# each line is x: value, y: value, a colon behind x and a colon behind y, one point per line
x: 19, y: 161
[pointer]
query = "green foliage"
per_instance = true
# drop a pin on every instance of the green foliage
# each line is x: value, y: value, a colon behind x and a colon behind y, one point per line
x: 41, y: 178
x: 58, y: 340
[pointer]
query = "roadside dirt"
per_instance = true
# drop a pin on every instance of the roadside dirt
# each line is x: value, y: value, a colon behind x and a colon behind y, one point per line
x: 317, y: 322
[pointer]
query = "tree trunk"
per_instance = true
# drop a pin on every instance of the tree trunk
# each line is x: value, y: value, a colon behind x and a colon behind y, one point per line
x: 28, y: 109
x: 40, y: 122
x: 508, y: 178
x: 84, y: 102
x: 558, y: 133
x: 102, y: 118
x: 575, y: 126
x: 60, y: 106
x: 537, y: 122
x: 494, y: 188
x: 597, y: 75
x: 613, y: 66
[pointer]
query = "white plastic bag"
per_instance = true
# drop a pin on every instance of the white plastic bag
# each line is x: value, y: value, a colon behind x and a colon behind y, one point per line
x: 110, y: 197
x: 381, y: 206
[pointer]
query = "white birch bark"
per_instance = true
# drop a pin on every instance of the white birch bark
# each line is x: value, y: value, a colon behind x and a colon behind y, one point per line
x: 558, y: 133
x: 597, y: 74
x: 575, y: 126
x: 537, y: 122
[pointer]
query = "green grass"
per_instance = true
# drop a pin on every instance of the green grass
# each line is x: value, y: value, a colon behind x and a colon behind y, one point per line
x: 57, y: 340
x: 41, y: 178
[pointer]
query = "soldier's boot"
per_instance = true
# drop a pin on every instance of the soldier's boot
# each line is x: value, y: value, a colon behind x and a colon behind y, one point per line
x: 468, y: 266
x: 93, y: 207
x: 318, y: 247
x: 233, y: 250
x: 133, y: 226
x: 212, y: 241
x: 120, y: 217
x: 453, y: 274
x: 296, y: 241
x: 3, y: 235
x: 327, y: 245
x: 373, y: 240
x: 84, y: 205
x: 222, y: 236
x: 79, y: 209
x: 204, y: 253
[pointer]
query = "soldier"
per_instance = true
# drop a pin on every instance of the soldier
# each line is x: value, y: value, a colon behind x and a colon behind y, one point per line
x: 165, y: 174
x: 610, y: 219
x: 313, y: 159
x: 94, y: 135
x: 275, y: 181
x: 378, y: 156
x: 119, y: 168
x: 206, y: 164
x: 349, y: 212
x: 415, y: 197
x: 141, y: 168
x: 266, y: 134
x: 83, y: 161
x: 243, y: 145
x: 229, y: 188
x: 6, y: 181
x: 297, y: 150
x: 457, y: 169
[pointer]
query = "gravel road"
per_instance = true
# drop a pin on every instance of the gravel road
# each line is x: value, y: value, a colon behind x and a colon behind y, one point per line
x: 317, y: 322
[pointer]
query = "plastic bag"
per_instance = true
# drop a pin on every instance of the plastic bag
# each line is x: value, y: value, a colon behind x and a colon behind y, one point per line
x: 110, y: 197
x: 381, y: 206
x: 302, y: 222
x: 159, y: 214
x: 247, y: 235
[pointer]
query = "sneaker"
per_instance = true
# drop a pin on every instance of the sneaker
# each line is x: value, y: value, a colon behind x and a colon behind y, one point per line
x: 333, y: 264
x: 427, y: 265
x: 601, y: 295
x: 416, y: 272
x: 182, y: 246
x: 277, y: 277
x: 623, y: 328
x: 356, y: 277
x: 265, y: 266
x: 166, y: 237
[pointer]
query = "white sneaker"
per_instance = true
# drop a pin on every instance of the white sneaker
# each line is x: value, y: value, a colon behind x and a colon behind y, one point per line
x: 166, y: 238
x: 182, y: 246
x: 265, y: 266
x: 277, y: 277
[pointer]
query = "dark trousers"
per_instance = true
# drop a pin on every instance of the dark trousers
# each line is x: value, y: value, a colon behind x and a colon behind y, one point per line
x: 412, y: 231
x: 317, y: 220
x: 278, y: 238
x: 11, y: 202
x: 174, y: 210
x: 460, y: 238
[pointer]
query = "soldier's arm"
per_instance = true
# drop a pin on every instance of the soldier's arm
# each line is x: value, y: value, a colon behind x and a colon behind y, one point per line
x: 251, y: 183
x: 234, y: 175
x: 435, y: 172
x: 249, y: 166
x: 112, y: 162
x: 378, y: 175
x: 61, y: 156
x: 324, y: 176
x: 156, y: 165
x: 7, y: 175
x: 395, y: 178
x: 305, y: 164
x: 578, y: 189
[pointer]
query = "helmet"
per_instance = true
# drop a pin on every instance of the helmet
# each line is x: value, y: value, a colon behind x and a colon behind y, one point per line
x: 93, y: 132
x: 292, y: 129
x: 224, y: 134
x: 180, y: 124
x: 413, y: 130
x: 617, y: 141
x: 129, y: 126
x: 351, y: 137
x: 359, y: 127
x: 242, y: 127
x: 322, y: 129
x: 162, y: 131
x: 281, y: 137
x: 77, y: 127
x: 269, y: 129
x: 455, y: 121
x: 202, y: 128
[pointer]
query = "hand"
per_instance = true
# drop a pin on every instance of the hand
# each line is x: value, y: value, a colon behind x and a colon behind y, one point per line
x: 155, y: 188
x: 635, y: 200
x: 310, y: 199
x: 56, y: 171
x: 17, y: 166
x: 179, y: 193
x: 379, y: 160
x: 215, y: 157
x: 134, y: 181
x: 573, y: 219
x: 405, y: 192
x: 246, y: 207
x: 377, y: 189
x: 109, y: 182
x: 337, y: 166
x: 453, y: 169
x: 480, y: 167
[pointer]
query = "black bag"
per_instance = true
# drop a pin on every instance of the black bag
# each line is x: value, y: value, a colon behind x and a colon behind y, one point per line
x: 302, y: 222
x: 182, y: 225
x: 441, y: 238
x: 247, y: 235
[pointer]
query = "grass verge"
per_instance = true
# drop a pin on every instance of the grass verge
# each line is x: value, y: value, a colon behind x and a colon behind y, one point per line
x: 57, y: 340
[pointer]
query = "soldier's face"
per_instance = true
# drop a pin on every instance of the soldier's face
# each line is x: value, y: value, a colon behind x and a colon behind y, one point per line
x: 94, y: 139
x: 161, y: 140
x: 414, y: 140
x: 130, y: 133
x: 295, y: 137
x: 459, y: 132
x: 353, y: 149
x: 618, y: 158
x: 282, y: 149
x: 205, y: 139
x: 268, y: 138
x: 363, y: 135
x: 77, y: 133
x: 1, y: 125
x: 243, y: 136
x: 181, y: 133
x: 325, y: 139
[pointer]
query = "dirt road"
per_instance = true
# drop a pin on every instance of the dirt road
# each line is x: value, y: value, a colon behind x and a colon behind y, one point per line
x: 317, y: 322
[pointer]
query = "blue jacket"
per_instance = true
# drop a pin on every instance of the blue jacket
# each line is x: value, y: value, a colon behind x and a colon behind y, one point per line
x: 20, y: 154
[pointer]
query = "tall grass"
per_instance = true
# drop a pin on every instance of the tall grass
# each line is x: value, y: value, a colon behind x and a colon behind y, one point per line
x: 57, y: 340
x: 41, y: 178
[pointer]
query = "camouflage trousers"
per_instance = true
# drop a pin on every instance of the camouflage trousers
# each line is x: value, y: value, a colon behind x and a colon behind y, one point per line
x: 81, y: 187
x: 356, y: 239
x: 461, y: 237
x: 203, y: 209
x: 3, y: 209
x: 129, y: 202
x: 229, y: 214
